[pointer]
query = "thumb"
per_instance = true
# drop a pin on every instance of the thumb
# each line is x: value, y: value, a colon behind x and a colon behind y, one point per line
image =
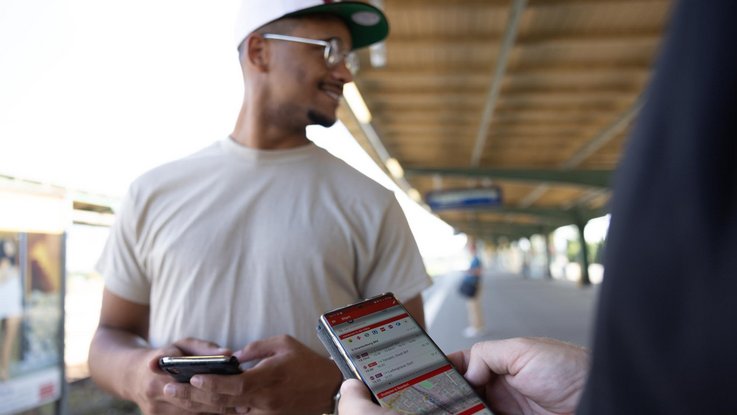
x: 194, y: 347
x: 495, y: 358
x: 169, y: 350
x: 354, y: 389
x: 260, y: 349
x: 356, y: 399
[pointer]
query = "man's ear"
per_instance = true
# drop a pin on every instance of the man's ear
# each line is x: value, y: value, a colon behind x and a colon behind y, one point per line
x: 256, y: 52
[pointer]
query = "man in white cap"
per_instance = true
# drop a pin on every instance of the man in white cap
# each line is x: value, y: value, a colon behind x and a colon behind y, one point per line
x: 242, y: 245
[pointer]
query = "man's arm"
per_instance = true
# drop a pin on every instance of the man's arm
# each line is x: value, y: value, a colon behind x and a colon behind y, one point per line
x: 119, y: 343
x: 122, y: 362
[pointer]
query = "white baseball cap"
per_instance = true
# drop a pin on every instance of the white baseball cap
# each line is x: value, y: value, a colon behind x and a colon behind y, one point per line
x: 366, y: 23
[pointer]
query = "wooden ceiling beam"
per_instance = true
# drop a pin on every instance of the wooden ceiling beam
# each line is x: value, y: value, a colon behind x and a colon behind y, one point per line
x: 429, y: 121
x: 615, y: 87
x: 504, y: 117
x: 616, y: 68
x: 523, y: 133
x: 500, y: 141
x: 408, y: 6
x: 517, y: 108
x: 461, y: 94
x: 454, y: 41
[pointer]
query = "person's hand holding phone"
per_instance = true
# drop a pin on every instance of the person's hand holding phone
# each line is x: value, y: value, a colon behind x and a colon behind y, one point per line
x: 526, y: 375
x: 521, y: 375
x: 288, y: 378
x: 355, y: 399
x: 159, y: 393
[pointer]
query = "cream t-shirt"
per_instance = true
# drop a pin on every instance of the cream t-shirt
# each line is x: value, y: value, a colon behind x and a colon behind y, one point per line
x: 234, y: 244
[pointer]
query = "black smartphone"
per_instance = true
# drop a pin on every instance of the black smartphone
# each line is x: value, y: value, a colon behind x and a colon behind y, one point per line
x: 378, y: 342
x: 182, y: 368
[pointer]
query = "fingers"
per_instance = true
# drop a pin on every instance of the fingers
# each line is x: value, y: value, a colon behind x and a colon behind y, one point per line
x: 232, y: 385
x: 284, y: 379
x: 355, y: 399
x: 193, y: 399
x: 460, y: 359
x: 268, y: 347
x: 170, y: 350
x: 192, y: 346
x: 354, y: 389
x: 499, y: 357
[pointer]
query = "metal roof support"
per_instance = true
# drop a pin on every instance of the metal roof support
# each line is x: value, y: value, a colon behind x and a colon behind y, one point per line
x: 585, y: 198
x: 515, y: 14
x: 534, y: 195
x: 552, y: 216
x: 378, y: 146
x: 605, y: 135
x: 589, y: 148
x: 580, y: 226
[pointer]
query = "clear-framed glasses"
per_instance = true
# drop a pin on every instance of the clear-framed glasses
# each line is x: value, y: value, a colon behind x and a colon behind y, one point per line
x: 333, y: 53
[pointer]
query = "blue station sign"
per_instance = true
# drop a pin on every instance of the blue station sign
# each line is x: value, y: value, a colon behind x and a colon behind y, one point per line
x: 464, y: 198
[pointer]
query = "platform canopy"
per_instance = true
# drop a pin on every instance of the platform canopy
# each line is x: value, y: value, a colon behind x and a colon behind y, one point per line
x: 534, y: 96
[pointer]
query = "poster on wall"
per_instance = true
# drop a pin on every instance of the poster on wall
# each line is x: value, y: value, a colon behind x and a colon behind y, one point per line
x: 31, y: 306
x: 31, y: 277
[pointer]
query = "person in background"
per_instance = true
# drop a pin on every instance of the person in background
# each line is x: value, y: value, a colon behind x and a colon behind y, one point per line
x: 239, y: 247
x: 471, y: 289
x: 664, y: 338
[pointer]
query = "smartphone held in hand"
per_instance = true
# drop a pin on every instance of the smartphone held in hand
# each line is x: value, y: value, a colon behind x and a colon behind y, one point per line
x: 182, y: 368
x: 378, y: 342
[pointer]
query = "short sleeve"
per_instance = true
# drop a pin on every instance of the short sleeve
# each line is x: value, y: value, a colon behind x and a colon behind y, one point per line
x: 397, y: 265
x: 120, y: 262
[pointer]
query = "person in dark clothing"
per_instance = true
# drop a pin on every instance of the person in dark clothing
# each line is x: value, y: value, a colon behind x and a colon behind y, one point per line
x: 664, y: 341
x: 665, y: 329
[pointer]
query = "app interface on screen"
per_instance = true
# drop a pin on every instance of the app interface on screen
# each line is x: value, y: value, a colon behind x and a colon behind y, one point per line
x: 400, y: 364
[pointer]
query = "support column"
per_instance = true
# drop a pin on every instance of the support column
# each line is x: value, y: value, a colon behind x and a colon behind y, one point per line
x: 585, y: 280
x: 548, y: 259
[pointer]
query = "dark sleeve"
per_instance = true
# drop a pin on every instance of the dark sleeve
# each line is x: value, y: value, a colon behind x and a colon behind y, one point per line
x: 666, y: 327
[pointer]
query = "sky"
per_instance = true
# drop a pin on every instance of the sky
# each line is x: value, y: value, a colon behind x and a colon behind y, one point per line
x: 94, y: 93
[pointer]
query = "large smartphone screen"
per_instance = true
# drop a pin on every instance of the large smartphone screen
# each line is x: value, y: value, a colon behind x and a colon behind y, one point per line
x: 396, y: 359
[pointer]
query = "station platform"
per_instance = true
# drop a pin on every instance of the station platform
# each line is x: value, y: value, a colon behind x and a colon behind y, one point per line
x: 513, y: 306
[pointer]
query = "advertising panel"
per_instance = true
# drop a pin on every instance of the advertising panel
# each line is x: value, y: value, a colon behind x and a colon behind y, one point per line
x: 31, y: 304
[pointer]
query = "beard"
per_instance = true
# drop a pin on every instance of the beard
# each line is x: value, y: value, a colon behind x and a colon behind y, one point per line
x: 320, y: 119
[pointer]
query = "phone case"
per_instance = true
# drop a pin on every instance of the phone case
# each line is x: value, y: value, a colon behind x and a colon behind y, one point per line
x: 183, y: 368
x: 335, y: 353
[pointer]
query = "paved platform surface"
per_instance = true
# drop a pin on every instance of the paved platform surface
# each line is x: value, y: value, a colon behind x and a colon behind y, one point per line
x: 513, y: 306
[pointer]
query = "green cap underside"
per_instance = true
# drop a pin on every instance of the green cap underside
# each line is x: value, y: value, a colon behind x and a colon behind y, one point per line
x: 361, y: 35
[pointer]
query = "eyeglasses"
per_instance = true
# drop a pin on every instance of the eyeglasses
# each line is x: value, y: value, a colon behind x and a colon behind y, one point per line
x: 333, y: 53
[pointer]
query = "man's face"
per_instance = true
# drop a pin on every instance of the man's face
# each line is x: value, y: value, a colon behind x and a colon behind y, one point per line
x: 304, y: 90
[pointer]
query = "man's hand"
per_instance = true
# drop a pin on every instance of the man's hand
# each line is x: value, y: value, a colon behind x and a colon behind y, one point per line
x: 355, y: 399
x: 520, y: 376
x: 288, y: 379
x: 156, y: 393
x: 526, y: 375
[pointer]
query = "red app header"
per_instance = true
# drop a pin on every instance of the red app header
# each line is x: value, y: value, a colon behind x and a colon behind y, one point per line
x: 361, y: 309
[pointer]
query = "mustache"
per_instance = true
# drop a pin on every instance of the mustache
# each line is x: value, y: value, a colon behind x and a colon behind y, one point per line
x: 336, y: 86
